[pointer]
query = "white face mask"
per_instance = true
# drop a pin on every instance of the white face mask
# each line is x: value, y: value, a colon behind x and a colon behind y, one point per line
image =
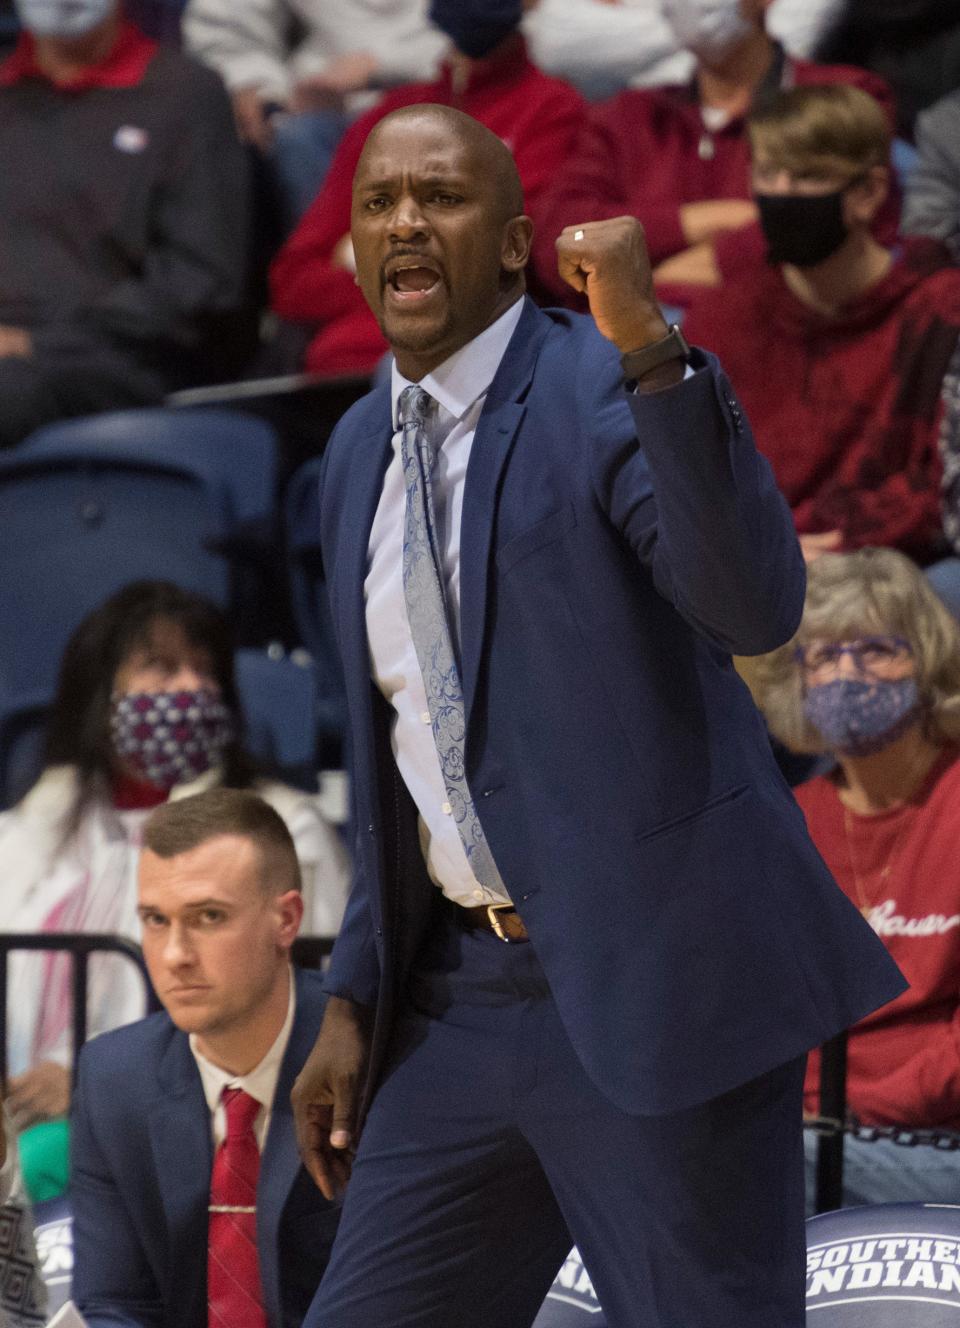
x: 708, y: 28
x: 62, y: 18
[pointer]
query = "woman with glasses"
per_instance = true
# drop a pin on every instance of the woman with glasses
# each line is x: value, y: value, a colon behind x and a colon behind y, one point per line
x: 873, y: 679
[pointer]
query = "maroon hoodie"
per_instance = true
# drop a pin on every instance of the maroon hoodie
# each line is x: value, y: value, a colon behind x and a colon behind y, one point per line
x: 847, y: 409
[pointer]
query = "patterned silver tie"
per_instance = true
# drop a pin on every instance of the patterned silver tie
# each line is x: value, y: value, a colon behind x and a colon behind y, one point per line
x: 423, y: 589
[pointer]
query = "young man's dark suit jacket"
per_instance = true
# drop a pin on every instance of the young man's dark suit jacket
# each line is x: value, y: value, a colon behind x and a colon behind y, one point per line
x: 141, y: 1155
x: 615, y: 551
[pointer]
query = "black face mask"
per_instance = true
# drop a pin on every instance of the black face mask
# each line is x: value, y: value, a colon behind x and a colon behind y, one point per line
x: 477, y: 26
x: 802, y: 229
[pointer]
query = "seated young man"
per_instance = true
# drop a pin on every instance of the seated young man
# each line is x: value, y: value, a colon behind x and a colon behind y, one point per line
x: 123, y: 219
x: 488, y: 76
x: 840, y: 348
x: 677, y: 157
x: 177, y: 1224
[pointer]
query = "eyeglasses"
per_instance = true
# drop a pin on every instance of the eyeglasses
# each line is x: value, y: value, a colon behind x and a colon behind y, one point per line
x: 872, y: 656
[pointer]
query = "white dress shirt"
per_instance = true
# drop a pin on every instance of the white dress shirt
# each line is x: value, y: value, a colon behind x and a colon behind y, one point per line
x: 260, y: 1083
x: 459, y: 386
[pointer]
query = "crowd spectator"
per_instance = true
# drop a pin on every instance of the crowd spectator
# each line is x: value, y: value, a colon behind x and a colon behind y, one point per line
x: 913, y: 44
x: 841, y: 349
x: 123, y: 219
x: 605, y: 45
x: 873, y: 679
x: 176, y: 1224
x: 298, y: 70
x: 677, y: 157
x: 146, y: 710
x: 489, y: 76
x: 932, y: 202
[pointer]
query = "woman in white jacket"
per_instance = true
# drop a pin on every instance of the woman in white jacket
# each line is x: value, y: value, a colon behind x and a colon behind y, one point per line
x: 146, y: 710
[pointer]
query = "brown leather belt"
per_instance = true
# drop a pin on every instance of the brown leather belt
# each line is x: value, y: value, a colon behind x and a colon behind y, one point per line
x: 501, y: 919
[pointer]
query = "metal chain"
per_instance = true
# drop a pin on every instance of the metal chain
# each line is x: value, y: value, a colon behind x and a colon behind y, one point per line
x: 828, y: 1126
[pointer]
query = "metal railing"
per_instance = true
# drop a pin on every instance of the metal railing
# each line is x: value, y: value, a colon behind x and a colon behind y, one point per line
x: 79, y: 946
x: 833, y: 1109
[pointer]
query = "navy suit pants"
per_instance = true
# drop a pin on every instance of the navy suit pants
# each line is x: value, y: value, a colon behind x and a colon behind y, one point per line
x: 488, y: 1152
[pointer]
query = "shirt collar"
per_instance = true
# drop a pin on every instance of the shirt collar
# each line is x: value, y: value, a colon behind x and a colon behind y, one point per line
x: 124, y: 67
x: 467, y: 373
x: 781, y: 74
x: 261, y: 1082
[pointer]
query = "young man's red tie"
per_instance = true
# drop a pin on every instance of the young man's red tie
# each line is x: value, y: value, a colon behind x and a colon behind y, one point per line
x: 234, y: 1294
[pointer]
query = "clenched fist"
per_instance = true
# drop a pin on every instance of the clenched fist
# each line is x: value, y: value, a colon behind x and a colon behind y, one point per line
x: 608, y: 261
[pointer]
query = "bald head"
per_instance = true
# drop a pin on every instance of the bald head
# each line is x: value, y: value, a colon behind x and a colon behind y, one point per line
x: 438, y: 231
x: 487, y: 153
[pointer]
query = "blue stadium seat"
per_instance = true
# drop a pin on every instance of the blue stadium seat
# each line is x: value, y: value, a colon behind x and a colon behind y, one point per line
x: 21, y: 743
x: 86, y: 506
x: 279, y: 700
x: 311, y: 610
x: 571, y: 1302
x: 885, y: 1266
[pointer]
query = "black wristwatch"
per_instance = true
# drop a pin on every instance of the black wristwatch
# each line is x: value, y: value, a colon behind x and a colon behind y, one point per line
x: 637, y: 363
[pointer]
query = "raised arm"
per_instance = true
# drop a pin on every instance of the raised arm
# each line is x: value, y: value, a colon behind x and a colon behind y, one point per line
x: 689, y: 491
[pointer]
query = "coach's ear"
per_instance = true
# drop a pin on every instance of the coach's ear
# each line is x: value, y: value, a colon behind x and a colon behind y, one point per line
x: 515, y: 248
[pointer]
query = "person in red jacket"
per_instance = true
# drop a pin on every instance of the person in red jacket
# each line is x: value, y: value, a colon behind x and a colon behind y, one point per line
x: 873, y: 678
x: 489, y: 76
x: 677, y: 157
x: 844, y: 352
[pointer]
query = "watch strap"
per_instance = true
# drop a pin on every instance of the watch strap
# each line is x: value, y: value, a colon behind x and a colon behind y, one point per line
x: 637, y: 363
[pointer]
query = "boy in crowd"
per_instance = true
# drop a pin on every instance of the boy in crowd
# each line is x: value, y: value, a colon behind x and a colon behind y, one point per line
x: 843, y: 351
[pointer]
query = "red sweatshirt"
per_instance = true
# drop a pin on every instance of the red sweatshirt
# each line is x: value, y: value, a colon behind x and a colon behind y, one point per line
x: 847, y: 410
x: 646, y: 152
x: 904, y: 866
x: 536, y: 116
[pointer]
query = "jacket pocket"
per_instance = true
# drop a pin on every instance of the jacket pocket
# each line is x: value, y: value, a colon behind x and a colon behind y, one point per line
x: 719, y: 802
x: 544, y: 531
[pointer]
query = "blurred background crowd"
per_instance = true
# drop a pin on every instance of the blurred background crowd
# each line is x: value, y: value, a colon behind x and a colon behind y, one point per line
x: 180, y: 330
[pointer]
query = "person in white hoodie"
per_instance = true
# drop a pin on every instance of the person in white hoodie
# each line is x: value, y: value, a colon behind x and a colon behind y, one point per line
x: 299, y: 70
x: 146, y: 710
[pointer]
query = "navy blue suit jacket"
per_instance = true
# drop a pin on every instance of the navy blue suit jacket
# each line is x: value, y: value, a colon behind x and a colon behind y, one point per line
x: 615, y: 551
x: 141, y: 1155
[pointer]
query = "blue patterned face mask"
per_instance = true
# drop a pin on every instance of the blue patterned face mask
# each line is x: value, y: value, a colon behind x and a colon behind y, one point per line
x: 856, y: 717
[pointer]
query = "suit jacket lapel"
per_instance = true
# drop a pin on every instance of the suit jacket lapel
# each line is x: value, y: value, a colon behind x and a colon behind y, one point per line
x: 179, y: 1129
x: 494, y: 438
x: 281, y: 1159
